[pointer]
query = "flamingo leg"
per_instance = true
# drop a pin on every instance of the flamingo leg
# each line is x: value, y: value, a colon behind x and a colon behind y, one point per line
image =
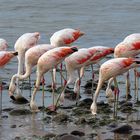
x: 0, y: 97
x: 127, y: 85
x: 61, y: 67
x: 61, y: 95
x: 43, y: 92
x: 30, y: 86
x: 136, y: 83
x: 92, y: 80
x: 79, y: 83
x: 33, y: 106
x: 116, y: 96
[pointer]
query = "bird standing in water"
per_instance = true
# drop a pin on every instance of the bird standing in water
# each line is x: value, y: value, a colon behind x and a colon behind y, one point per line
x: 129, y: 47
x: 46, y: 62
x: 22, y: 44
x: 111, y: 69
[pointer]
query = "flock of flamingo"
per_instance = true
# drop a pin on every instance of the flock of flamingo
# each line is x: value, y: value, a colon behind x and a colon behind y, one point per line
x: 48, y: 56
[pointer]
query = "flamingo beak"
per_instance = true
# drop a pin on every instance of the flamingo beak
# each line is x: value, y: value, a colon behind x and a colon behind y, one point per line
x: 81, y: 33
x: 74, y: 49
x: 15, y: 53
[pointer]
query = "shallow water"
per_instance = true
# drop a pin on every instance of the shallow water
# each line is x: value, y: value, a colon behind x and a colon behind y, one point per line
x: 104, y: 22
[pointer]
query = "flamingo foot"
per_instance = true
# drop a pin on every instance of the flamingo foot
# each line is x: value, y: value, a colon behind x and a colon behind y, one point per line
x: 34, y: 107
x: 52, y: 107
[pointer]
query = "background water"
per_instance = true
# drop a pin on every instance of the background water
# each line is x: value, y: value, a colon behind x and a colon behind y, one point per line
x: 105, y: 22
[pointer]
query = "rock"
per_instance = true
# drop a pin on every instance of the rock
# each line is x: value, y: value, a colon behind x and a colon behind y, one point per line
x: 59, y: 118
x: 123, y: 129
x: 48, y: 135
x: 134, y: 137
x: 17, y: 138
x: 129, y: 96
x: 50, y: 112
x: 89, y: 85
x: 80, y: 111
x: 18, y: 112
x: 47, y: 119
x: 20, y: 100
x: 67, y: 137
x: 112, y: 125
x: 13, y: 126
x: 80, y: 120
x: 130, y: 104
x: 4, y: 116
x: 7, y: 109
x: 85, y: 102
x: 78, y: 133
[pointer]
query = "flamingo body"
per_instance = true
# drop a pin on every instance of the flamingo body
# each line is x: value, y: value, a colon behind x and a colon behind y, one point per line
x: 109, y: 69
x: 65, y: 37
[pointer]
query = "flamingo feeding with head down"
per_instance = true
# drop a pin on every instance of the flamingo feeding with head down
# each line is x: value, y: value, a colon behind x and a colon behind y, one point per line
x: 22, y: 44
x: 46, y: 62
x: 31, y: 57
x: 78, y: 61
x: 111, y: 69
x: 5, y: 57
x: 64, y: 37
x: 129, y: 47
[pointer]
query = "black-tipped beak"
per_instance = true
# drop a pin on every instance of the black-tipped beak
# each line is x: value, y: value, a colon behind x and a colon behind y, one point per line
x: 13, y: 98
x: 74, y: 49
x: 137, y: 62
x: 15, y: 53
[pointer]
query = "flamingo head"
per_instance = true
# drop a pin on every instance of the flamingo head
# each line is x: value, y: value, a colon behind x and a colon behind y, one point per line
x: 109, y: 92
x: 93, y: 108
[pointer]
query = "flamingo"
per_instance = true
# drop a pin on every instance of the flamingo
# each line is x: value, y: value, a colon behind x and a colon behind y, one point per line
x: 3, y: 44
x: 111, y: 69
x: 129, y: 47
x: 31, y: 57
x: 5, y: 57
x: 79, y: 60
x: 64, y: 37
x: 22, y: 44
x: 46, y: 62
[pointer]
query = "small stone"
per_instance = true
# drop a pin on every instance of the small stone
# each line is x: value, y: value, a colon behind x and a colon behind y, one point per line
x: 4, y: 116
x: 68, y: 137
x: 59, y: 118
x: 85, y: 102
x: 126, y: 129
x: 81, y: 120
x: 78, y: 133
x: 134, y: 137
x: 7, y: 109
x: 18, y: 112
x: 13, y: 126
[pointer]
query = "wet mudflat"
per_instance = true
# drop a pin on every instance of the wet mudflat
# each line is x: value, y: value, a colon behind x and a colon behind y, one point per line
x: 70, y: 121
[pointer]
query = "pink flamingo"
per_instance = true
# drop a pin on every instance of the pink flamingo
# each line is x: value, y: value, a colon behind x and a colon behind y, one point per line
x: 129, y: 47
x: 22, y: 44
x: 3, y: 44
x: 64, y: 37
x: 31, y: 57
x: 46, y: 62
x: 111, y: 69
x: 79, y: 60
x: 5, y: 57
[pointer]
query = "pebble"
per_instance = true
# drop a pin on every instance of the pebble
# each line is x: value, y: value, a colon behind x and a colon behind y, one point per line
x: 123, y: 129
